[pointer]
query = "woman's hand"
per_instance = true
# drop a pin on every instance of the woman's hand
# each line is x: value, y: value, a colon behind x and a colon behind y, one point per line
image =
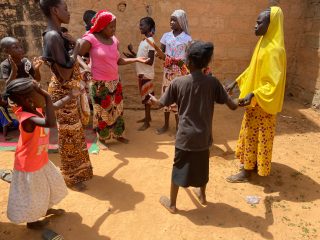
x: 246, y: 101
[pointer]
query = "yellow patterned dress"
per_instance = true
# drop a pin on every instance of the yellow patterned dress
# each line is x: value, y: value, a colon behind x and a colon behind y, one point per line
x: 75, y: 162
x: 265, y: 77
x: 255, y: 142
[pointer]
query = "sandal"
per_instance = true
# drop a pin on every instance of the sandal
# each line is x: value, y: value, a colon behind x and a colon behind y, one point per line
x: 236, y: 179
x: 51, y: 235
x: 6, y: 175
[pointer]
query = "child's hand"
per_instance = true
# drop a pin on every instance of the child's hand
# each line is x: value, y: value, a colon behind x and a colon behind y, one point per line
x: 37, y: 62
x: 152, y: 100
x: 74, y: 93
x: 230, y: 87
x: 38, y: 89
x: 14, y: 68
x: 143, y: 59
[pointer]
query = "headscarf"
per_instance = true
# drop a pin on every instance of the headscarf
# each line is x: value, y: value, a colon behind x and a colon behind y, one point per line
x: 266, y: 75
x: 101, y: 20
x: 182, y: 20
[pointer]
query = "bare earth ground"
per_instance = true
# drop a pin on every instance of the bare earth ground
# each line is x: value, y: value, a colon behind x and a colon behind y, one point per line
x: 122, y: 200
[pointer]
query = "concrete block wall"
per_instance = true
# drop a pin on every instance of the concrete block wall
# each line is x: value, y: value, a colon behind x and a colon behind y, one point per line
x: 227, y: 23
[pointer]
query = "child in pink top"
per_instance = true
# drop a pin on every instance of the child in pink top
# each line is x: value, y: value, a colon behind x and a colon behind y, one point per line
x: 36, y: 184
x: 106, y: 88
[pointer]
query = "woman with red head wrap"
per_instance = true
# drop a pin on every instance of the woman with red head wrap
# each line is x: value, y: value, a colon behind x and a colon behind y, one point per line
x: 106, y: 88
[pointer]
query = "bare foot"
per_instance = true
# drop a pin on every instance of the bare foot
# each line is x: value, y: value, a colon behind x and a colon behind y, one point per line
x: 123, y: 140
x: 145, y: 126
x: 80, y: 187
x: 143, y: 120
x: 162, y: 130
x: 38, y: 224
x: 167, y: 204
x: 57, y: 212
x: 202, y: 199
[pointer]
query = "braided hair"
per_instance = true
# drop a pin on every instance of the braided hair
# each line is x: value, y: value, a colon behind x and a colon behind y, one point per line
x: 18, y: 89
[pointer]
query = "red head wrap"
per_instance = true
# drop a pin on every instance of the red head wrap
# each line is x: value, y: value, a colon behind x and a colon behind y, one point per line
x: 101, y: 20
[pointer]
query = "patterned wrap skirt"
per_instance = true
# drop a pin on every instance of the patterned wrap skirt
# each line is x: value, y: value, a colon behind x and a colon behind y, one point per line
x: 168, y: 76
x: 145, y: 88
x: 107, y: 101
x: 75, y: 162
x: 33, y: 193
x: 254, y: 148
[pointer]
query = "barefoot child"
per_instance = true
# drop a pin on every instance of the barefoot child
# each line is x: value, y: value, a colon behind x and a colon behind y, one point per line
x: 36, y: 184
x: 174, y: 45
x: 195, y: 95
x: 145, y: 72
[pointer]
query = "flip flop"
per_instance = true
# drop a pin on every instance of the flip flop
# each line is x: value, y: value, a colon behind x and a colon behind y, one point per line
x: 166, y: 203
x: 56, y: 212
x: 6, y: 175
x: 234, y: 179
x: 51, y: 235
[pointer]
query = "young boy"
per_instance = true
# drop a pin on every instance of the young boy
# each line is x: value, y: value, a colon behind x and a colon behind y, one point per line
x: 16, y: 65
x: 195, y: 95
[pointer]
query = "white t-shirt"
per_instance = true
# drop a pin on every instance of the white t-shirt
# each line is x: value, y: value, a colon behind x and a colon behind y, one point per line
x: 143, y: 50
x: 176, y: 46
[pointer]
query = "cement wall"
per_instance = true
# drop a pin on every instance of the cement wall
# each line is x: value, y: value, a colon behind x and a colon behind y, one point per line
x: 228, y: 23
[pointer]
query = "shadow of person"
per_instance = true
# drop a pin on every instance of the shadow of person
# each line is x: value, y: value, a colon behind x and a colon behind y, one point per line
x: 17, y: 232
x: 121, y: 195
x: 226, y: 127
x: 70, y: 226
x: 292, y: 185
x: 225, y: 216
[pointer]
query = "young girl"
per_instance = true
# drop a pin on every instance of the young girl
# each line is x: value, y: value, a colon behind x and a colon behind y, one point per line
x: 195, y: 95
x: 75, y: 162
x: 36, y: 184
x: 174, y: 45
x: 106, y: 88
x: 145, y: 72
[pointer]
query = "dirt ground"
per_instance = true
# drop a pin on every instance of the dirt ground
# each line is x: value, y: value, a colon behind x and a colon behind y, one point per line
x: 122, y: 200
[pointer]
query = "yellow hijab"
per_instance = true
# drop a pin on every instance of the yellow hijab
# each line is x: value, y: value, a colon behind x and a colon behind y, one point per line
x: 266, y: 74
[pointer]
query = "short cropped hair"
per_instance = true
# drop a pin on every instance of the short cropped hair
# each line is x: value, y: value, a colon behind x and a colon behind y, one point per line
x: 199, y: 54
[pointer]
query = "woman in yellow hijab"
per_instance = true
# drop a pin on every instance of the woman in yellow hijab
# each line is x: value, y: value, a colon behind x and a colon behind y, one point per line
x: 262, y: 87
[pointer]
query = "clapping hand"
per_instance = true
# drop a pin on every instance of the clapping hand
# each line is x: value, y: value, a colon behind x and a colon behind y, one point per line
x: 14, y: 68
x: 37, y: 62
